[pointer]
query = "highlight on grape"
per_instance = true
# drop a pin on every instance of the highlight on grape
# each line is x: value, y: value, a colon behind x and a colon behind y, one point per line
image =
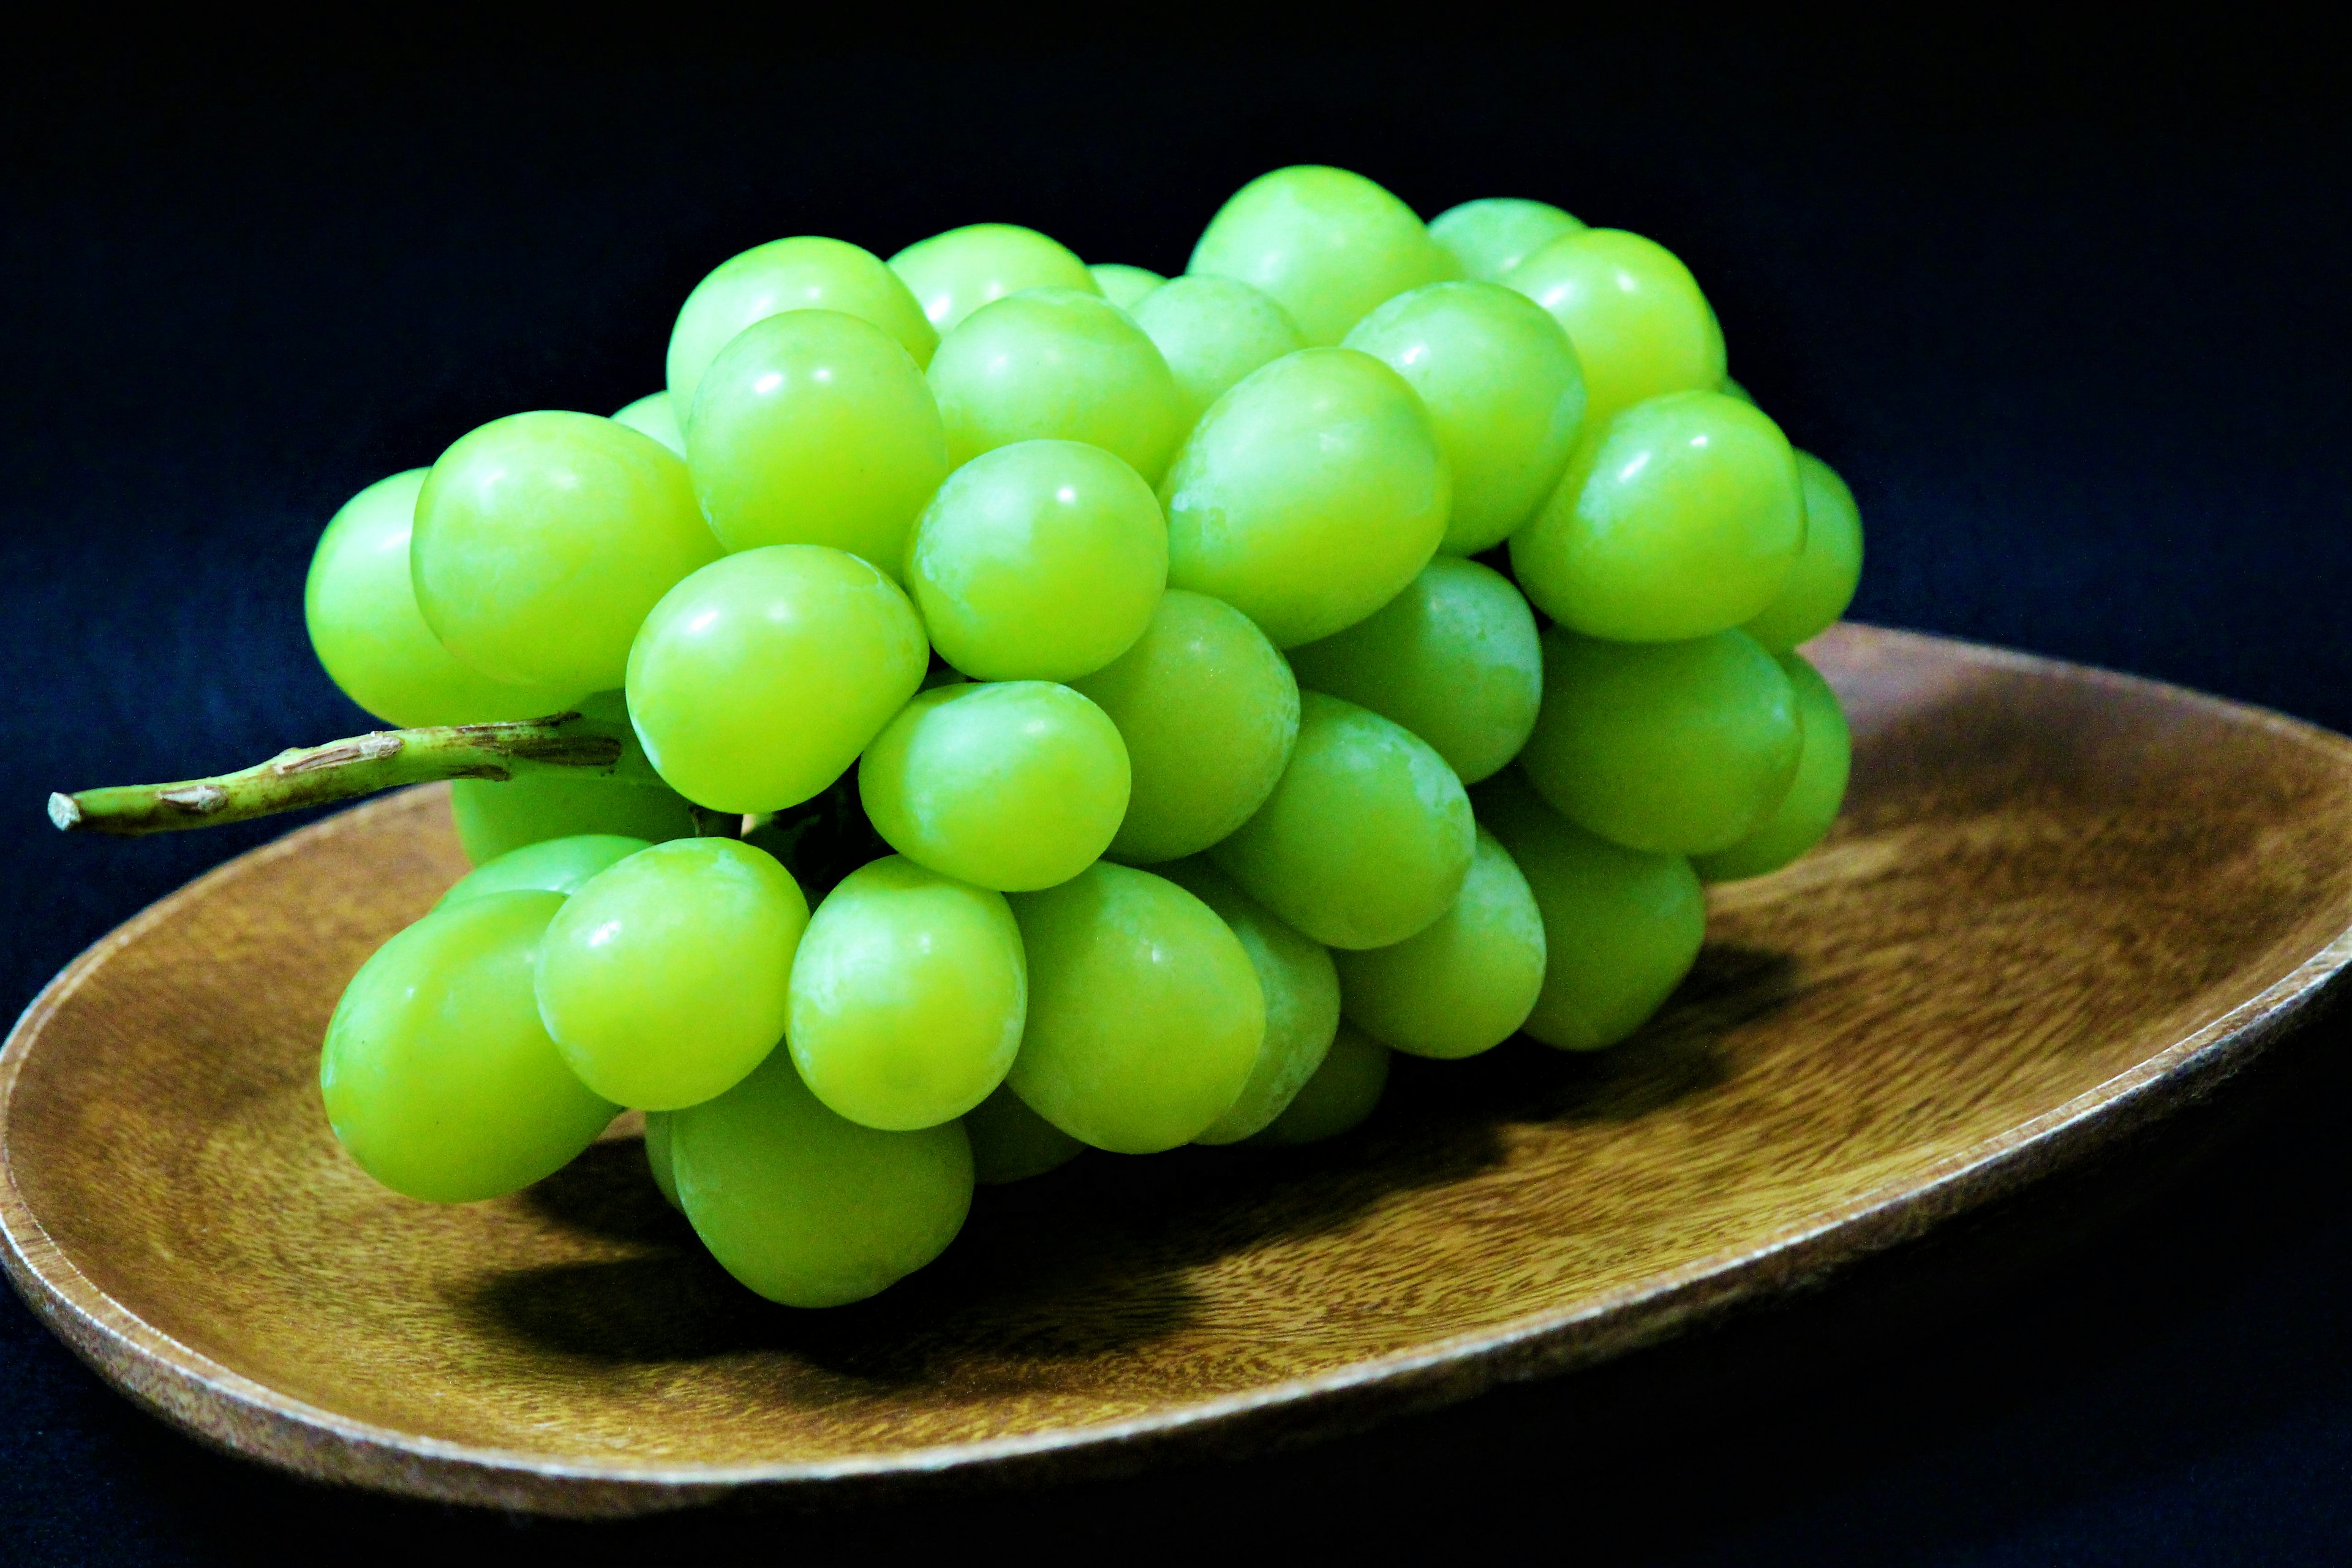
x: 987, y: 706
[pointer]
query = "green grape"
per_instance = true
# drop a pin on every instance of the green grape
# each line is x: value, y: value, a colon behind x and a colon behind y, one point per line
x: 1454, y: 658
x: 1366, y: 838
x: 815, y: 427
x: 437, y: 1076
x: 1639, y: 322
x: 810, y: 1209
x: 1057, y: 363
x: 1145, y: 1014
x: 907, y: 996
x: 1302, y: 1000
x: 373, y: 640
x: 1733, y: 389
x: 757, y: 681
x: 1679, y: 518
x: 1014, y: 784
x: 658, y: 1158
x: 1040, y: 561
x: 1208, y: 711
x: 1490, y: 237
x: 1678, y: 748
x: 1308, y: 496
x: 955, y: 273
x: 1011, y: 1143
x: 803, y: 273
x: 541, y: 539
x: 495, y: 818
x: 1465, y: 984
x: 663, y: 978
x: 1212, y: 331
x: 656, y: 416
x: 552, y: 866
x: 1326, y: 245
x: 1344, y: 1092
x: 1821, y: 583
x: 1620, y: 927
x: 1504, y: 393
x: 1805, y: 814
x: 1123, y: 285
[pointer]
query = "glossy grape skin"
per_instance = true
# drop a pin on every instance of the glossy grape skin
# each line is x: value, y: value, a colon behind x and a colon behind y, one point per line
x: 1123, y: 285
x: 1641, y: 326
x: 360, y: 609
x: 654, y: 414
x: 955, y: 273
x: 1821, y: 583
x: 1806, y: 814
x: 550, y: 866
x: 815, y: 427
x: 1675, y: 748
x: 1366, y: 838
x: 757, y: 681
x: 657, y: 1160
x: 662, y: 979
x: 1679, y: 518
x: 1015, y: 784
x: 1145, y: 1014
x: 1490, y: 237
x: 541, y: 539
x: 1308, y: 496
x: 1455, y: 658
x: 1465, y: 984
x: 1325, y: 243
x: 437, y: 1076
x: 1212, y: 331
x: 810, y: 1209
x: 1343, y: 1093
x: 1209, y: 711
x: 1302, y: 1000
x: 909, y: 992
x: 1057, y: 363
x: 1011, y: 1143
x: 1039, y: 561
x: 1505, y: 395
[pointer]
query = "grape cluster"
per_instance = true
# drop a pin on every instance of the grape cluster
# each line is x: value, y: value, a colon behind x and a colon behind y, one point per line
x: 1133, y: 671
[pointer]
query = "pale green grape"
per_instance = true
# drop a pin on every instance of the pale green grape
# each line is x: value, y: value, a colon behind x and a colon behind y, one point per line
x: 1328, y: 244
x: 373, y: 640
x: 1504, y: 393
x: 1208, y: 711
x: 541, y: 539
x: 1344, y: 1092
x: 1040, y: 561
x: 1302, y: 1000
x: 1821, y: 583
x: 955, y: 273
x: 1733, y: 389
x: 1454, y: 658
x: 552, y: 866
x: 663, y: 978
x: 815, y: 427
x: 909, y: 992
x: 657, y: 1159
x: 1639, y: 324
x: 803, y: 273
x: 1366, y: 838
x: 1805, y: 814
x: 1620, y: 927
x: 1057, y: 363
x: 810, y: 1209
x: 1014, y: 784
x: 757, y: 681
x: 1308, y: 496
x: 1145, y: 1016
x: 1011, y: 1143
x: 656, y: 416
x: 1465, y: 984
x: 1212, y: 331
x: 1123, y: 285
x: 495, y: 819
x: 1490, y: 237
x: 437, y: 1076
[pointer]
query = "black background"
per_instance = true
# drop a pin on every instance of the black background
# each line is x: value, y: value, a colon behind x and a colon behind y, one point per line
x: 2067, y: 310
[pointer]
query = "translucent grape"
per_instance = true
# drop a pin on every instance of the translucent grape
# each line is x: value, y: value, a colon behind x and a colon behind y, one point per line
x: 909, y: 992
x: 1366, y: 838
x: 1040, y: 561
x: 1465, y: 984
x: 757, y: 681
x: 1208, y: 711
x: 1454, y: 658
x: 1639, y: 324
x: 1326, y: 245
x: 495, y: 818
x: 552, y: 866
x: 1308, y: 496
x: 810, y: 1209
x: 1123, y: 285
x: 1733, y: 389
x: 1059, y: 363
x: 1344, y: 1092
x: 657, y: 1159
x: 1145, y: 1016
x: 1490, y: 237
x: 437, y: 1076
x: 1212, y: 331
x: 1822, y: 584
x: 1011, y: 1143
x: 1806, y: 813
x: 656, y: 416
x: 803, y: 273
x: 955, y: 273
x: 1015, y: 784
x: 663, y: 978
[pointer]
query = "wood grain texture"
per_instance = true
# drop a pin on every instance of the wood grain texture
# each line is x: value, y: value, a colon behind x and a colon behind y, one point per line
x: 2060, y: 901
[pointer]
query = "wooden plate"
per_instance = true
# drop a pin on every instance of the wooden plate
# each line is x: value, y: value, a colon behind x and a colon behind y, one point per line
x: 2061, y: 901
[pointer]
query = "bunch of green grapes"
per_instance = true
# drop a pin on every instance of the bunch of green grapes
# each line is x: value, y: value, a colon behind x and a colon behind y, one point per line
x: 1150, y: 703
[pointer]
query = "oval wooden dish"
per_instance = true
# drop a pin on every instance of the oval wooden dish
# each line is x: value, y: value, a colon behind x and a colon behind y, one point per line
x: 2061, y: 901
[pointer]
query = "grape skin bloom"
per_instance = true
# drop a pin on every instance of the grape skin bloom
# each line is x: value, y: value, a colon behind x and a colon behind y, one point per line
x: 1326, y: 245
x: 1641, y: 326
x: 955, y: 273
x: 1490, y: 237
x: 1212, y: 331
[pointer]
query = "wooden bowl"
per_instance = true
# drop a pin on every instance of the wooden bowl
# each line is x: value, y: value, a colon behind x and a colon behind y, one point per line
x: 2061, y: 902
